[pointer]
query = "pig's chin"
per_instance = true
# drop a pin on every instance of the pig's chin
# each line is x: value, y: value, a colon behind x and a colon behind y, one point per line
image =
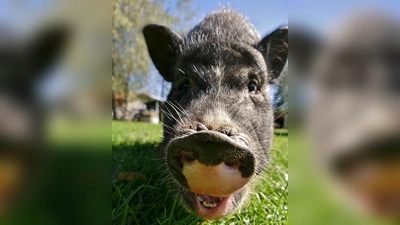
x: 211, y: 208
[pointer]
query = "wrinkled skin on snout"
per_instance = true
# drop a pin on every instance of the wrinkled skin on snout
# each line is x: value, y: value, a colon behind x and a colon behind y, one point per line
x: 218, y: 115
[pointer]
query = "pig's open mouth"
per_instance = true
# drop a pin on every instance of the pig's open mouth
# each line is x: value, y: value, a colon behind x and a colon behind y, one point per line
x: 209, y: 201
x: 210, y: 207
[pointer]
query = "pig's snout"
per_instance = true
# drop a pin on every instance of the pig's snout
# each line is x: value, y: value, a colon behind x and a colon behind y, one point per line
x: 212, y: 163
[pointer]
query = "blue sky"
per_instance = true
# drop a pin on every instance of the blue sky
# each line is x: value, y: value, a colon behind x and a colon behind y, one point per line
x: 264, y: 14
x: 318, y: 14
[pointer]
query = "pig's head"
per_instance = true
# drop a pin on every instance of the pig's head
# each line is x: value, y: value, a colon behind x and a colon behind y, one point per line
x: 218, y: 115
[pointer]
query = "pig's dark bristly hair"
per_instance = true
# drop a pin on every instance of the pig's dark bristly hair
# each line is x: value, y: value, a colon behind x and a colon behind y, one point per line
x: 215, y: 29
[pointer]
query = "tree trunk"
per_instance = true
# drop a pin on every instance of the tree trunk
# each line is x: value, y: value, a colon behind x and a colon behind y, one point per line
x: 114, y: 112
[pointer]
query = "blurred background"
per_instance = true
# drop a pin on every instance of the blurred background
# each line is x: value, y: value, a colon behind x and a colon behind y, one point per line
x: 54, y: 111
x: 344, y: 145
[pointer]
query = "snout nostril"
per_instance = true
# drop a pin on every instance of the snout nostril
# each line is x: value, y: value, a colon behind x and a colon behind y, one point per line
x: 228, y: 132
x: 232, y: 162
x: 187, y: 157
x: 201, y: 127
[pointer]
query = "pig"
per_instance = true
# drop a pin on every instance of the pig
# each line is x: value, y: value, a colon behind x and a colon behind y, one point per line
x: 218, y: 125
x: 352, y: 115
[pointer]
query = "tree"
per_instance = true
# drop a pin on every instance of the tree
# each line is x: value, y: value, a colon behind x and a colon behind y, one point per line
x: 130, y: 59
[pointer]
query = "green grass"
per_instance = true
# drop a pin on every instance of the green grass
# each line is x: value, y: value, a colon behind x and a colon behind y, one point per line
x: 149, y: 199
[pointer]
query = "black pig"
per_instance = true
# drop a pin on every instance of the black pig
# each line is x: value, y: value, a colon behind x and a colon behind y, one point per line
x: 219, y: 117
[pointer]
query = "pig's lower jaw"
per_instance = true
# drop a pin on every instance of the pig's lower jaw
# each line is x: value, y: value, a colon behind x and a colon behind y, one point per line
x: 211, y: 208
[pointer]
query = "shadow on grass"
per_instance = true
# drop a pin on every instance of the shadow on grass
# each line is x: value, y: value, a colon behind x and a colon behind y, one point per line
x: 148, y: 198
x: 70, y: 186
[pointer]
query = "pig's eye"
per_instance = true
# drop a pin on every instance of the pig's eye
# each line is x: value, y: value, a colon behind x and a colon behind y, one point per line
x: 252, y: 87
x: 184, y: 85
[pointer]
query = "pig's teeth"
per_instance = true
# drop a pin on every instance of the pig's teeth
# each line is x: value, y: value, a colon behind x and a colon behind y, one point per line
x: 209, y: 205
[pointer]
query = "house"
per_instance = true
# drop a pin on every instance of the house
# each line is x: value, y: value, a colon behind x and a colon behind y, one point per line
x: 140, y: 107
x: 153, y: 113
x: 127, y: 110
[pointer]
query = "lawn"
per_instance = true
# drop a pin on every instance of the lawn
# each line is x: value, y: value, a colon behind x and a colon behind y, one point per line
x: 141, y: 195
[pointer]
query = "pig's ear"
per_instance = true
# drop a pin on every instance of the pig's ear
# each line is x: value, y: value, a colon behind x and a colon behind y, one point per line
x: 45, y: 47
x: 164, y: 47
x: 274, y: 48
